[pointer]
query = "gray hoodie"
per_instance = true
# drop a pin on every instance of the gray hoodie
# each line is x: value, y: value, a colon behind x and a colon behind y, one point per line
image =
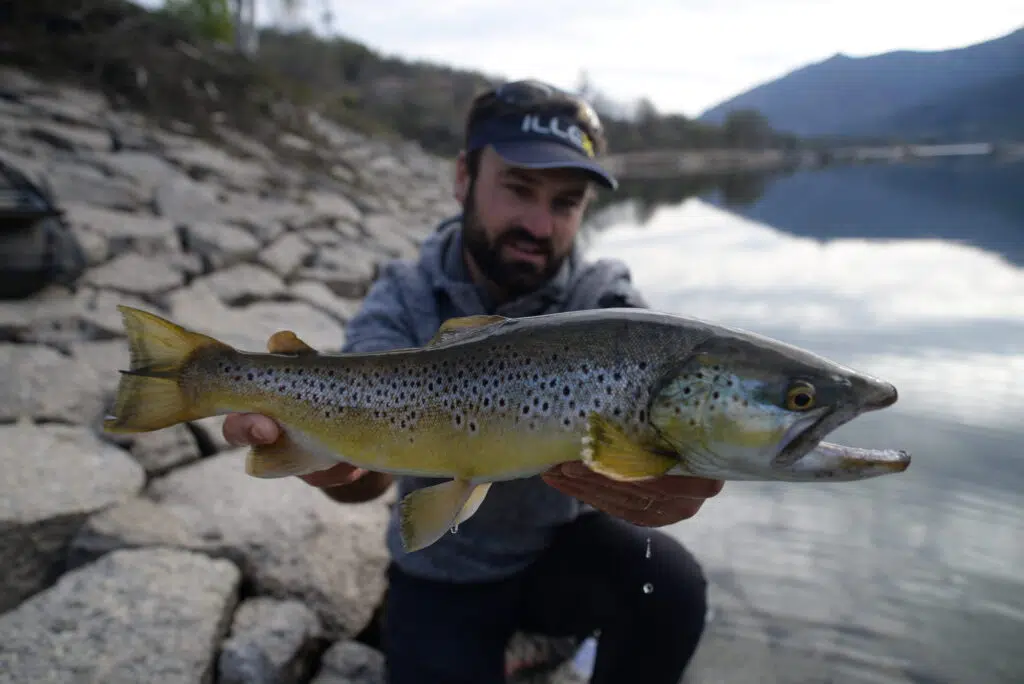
x: 404, y: 308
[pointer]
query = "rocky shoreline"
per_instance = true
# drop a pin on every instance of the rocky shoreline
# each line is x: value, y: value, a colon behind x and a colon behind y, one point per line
x: 155, y: 558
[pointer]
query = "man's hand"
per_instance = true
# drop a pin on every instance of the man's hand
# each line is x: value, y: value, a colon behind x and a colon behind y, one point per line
x: 249, y: 429
x: 650, y: 503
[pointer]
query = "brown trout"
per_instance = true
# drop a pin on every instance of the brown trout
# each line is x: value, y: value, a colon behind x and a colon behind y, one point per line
x: 633, y: 393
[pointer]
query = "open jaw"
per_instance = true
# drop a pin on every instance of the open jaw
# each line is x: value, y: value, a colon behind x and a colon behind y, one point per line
x: 804, y: 456
x: 837, y: 462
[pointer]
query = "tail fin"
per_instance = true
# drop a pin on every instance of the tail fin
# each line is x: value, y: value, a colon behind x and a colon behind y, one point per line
x: 149, y: 396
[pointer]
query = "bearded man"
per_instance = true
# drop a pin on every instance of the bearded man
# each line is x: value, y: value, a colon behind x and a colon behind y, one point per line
x: 566, y: 553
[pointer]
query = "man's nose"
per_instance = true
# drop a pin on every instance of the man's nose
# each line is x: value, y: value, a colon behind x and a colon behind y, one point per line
x: 539, y: 221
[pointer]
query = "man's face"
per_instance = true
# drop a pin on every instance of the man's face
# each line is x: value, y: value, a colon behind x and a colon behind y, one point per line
x: 519, y: 224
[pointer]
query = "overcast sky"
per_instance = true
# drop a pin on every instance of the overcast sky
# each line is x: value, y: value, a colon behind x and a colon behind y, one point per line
x: 686, y: 55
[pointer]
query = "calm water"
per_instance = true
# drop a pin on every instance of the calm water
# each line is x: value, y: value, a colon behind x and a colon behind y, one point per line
x: 915, y: 274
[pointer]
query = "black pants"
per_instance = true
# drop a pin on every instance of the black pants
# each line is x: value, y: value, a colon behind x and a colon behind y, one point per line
x: 591, y: 578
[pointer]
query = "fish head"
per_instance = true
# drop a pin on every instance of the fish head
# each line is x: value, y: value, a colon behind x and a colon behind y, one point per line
x: 746, y: 407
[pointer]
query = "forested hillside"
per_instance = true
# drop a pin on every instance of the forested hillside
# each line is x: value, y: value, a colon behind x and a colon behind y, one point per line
x: 183, y: 66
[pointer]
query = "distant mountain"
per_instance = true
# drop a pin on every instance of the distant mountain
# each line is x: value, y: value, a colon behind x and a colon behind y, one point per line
x: 987, y: 111
x: 970, y: 200
x: 973, y: 91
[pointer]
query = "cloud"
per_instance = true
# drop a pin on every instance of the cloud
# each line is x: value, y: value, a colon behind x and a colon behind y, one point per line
x: 685, y: 56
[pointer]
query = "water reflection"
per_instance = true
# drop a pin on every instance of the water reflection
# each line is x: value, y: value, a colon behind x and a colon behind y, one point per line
x: 915, y: 578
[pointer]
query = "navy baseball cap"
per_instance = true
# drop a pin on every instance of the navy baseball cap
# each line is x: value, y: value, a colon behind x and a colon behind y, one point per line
x: 534, y: 136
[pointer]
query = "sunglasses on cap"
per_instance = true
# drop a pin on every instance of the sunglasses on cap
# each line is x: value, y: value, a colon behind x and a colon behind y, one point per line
x: 530, y: 93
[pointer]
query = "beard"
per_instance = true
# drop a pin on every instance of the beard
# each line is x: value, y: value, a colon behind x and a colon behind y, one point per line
x: 515, y: 277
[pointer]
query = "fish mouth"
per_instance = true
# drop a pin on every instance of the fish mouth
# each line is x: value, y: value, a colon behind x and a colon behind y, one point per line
x: 805, y: 434
x: 803, y: 455
x: 838, y: 462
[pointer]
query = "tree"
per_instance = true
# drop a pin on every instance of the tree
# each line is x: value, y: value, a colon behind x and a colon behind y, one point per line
x: 228, y: 21
x: 746, y: 128
x: 211, y: 18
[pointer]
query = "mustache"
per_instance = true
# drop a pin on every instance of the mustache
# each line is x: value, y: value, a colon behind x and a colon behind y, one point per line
x: 520, y: 234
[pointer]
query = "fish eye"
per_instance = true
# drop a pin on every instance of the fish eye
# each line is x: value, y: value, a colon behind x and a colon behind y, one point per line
x: 800, y: 397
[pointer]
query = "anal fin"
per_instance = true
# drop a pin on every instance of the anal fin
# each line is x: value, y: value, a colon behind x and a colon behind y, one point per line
x: 607, y: 450
x: 426, y: 514
x: 283, y: 458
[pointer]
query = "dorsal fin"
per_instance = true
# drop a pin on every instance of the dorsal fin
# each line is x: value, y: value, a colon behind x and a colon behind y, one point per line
x: 456, y: 328
x: 287, y: 342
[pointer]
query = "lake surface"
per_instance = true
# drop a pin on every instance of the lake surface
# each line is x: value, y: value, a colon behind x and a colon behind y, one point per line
x: 913, y: 273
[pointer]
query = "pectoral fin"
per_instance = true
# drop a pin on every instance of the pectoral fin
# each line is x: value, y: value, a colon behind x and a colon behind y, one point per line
x: 426, y: 514
x: 456, y: 328
x: 283, y: 458
x: 610, y: 452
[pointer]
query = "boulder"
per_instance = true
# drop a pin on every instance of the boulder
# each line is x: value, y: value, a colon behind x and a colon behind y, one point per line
x: 51, y: 479
x: 289, y: 538
x: 146, y: 615
x: 271, y: 642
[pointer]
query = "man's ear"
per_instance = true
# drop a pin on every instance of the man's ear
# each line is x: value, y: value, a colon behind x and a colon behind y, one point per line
x: 461, y: 185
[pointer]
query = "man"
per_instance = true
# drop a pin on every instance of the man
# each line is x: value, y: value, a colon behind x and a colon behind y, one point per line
x: 565, y: 553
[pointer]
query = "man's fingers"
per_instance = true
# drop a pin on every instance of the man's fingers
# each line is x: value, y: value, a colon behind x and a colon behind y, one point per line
x: 247, y: 429
x: 341, y: 474
x: 672, y: 486
x: 637, y: 509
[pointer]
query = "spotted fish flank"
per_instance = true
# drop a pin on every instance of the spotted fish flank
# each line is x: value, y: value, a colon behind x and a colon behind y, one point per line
x: 634, y: 394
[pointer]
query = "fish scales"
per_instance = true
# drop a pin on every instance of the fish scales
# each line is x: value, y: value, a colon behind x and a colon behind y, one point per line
x: 540, y: 382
